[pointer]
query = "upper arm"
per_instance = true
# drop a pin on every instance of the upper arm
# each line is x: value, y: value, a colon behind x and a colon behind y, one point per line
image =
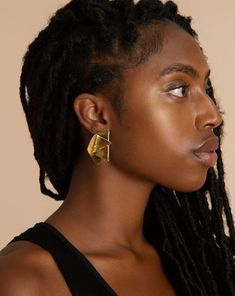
x: 28, y: 270
x: 17, y: 277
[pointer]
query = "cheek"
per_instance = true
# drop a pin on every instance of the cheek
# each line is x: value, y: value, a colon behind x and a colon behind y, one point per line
x: 156, y: 146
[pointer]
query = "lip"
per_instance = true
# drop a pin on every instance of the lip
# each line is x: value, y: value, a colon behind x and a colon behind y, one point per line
x: 207, y: 158
x: 206, y: 152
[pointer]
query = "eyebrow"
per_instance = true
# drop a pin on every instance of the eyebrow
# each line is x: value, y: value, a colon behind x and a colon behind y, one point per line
x: 187, y: 69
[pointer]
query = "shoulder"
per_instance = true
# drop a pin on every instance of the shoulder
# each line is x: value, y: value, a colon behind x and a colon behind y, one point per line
x: 24, y: 267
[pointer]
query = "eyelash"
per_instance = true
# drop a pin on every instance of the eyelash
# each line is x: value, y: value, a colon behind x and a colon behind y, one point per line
x: 185, y: 87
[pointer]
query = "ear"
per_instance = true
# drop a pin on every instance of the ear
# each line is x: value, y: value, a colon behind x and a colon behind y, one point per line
x: 93, y: 112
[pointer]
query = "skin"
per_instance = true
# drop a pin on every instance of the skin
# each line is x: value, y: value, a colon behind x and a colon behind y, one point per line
x: 160, y: 127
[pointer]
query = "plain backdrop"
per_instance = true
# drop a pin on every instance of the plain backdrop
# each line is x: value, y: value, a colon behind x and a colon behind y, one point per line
x: 22, y: 204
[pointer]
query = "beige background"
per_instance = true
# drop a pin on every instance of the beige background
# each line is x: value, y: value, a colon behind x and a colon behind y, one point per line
x: 22, y: 204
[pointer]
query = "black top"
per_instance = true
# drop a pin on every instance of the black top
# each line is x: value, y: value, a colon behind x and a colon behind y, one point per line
x: 80, y: 275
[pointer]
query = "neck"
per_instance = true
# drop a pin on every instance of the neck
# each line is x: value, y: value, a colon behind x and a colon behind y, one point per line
x: 106, y: 203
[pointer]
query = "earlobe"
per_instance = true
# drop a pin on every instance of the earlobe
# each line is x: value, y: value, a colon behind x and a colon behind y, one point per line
x: 88, y: 109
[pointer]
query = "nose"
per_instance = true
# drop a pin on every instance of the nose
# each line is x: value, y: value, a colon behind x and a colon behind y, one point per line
x: 209, y: 116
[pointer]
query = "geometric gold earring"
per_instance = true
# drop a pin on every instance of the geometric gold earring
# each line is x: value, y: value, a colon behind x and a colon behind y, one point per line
x: 98, y: 147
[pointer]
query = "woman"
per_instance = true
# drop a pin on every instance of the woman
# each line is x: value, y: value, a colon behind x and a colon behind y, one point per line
x: 125, y: 125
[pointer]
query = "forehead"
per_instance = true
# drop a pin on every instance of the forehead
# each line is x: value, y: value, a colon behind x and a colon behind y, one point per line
x: 179, y: 46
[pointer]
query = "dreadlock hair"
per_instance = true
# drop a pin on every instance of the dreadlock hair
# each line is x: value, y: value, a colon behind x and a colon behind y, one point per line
x: 85, y: 48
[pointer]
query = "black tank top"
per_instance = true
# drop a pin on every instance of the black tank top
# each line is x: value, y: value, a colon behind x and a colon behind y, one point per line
x: 80, y: 275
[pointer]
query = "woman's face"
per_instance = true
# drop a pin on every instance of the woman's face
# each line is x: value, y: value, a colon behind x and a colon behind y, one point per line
x: 167, y: 115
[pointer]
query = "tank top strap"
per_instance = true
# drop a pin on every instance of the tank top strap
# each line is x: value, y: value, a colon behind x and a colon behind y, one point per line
x: 80, y: 276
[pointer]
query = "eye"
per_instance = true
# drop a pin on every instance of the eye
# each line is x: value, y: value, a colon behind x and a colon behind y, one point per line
x: 179, y: 91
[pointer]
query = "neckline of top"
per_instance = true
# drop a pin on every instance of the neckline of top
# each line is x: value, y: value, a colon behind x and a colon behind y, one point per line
x: 85, y: 260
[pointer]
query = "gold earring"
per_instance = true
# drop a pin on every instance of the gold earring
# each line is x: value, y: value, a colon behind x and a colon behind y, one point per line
x: 98, y: 147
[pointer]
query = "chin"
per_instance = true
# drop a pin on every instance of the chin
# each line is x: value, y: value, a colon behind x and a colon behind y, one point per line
x: 190, y: 185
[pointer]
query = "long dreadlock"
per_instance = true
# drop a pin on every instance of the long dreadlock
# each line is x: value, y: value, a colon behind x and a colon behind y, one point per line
x: 85, y: 48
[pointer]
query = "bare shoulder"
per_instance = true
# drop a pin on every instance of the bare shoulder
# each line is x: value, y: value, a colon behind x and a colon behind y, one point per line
x: 25, y: 269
